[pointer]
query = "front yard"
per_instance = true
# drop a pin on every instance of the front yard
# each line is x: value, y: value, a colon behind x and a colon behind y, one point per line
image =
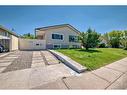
x: 95, y: 58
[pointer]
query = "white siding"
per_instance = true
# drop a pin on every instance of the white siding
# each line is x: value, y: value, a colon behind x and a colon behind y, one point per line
x: 65, y: 31
x: 13, y: 43
x: 32, y: 44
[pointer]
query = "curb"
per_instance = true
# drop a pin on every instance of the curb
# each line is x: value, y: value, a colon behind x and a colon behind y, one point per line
x: 69, y: 62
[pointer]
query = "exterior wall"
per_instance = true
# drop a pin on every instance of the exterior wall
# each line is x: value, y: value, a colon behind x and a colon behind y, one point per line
x: 65, y: 31
x: 13, y: 43
x: 32, y: 44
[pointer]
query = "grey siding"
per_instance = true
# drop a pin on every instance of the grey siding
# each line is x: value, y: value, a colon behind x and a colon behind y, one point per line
x: 49, y: 46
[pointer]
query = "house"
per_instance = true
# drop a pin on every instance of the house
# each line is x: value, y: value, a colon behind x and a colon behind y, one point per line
x: 8, y: 39
x: 50, y: 37
x: 59, y: 36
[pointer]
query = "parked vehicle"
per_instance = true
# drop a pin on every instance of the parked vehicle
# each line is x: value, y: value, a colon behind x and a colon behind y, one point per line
x: 1, y: 48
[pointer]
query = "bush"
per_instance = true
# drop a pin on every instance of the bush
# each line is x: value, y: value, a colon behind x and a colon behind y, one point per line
x: 125, y: 48
x: 102, y: 45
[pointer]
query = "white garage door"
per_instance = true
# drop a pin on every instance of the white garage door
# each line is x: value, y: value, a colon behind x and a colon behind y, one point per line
x: 32, y: 44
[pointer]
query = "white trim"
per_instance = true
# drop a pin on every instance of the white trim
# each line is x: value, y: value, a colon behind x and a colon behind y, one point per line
x: 4, y: 37
x: 58, y: 34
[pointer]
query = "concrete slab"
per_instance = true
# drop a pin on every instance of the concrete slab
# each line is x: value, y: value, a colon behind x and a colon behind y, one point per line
x: 52, y: 62
x: 5, y: 64
x: 107, y: 74
x: 124, y: 59
x: 40, y: 76
x: 37, y: 58
x: 4, y: 54
x: 2, y: 69
x: 86, y: 81
x: 50, y: 58
x: 13, y: 55
x: 15, y: 79
x: 58, y: 84
x: 37, y: 61
x: 120, y: 83
x: 122, y: 62
x: 6, y: 60
x: 38, y: 65
x: 9, y: 57
x: 117, y: 67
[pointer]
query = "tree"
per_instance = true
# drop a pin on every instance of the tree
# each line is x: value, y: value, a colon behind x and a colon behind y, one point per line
x: 106, y: 38
x: 114, y: 38
x: 89, y: 39
x: 124, y: 39
x: 28, y: 36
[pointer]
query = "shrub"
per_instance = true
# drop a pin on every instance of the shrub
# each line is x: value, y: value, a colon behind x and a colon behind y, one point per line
x: 125, y: 48
x: 102, y: 45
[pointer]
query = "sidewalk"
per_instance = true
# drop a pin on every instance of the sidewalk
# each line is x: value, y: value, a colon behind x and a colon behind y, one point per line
x: 112, y: 76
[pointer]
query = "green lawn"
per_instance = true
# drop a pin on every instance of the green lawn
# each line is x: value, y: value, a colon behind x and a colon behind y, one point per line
x: 95, y: 58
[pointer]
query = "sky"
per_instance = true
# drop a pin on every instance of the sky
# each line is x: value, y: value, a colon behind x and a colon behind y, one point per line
x: 24, y: 19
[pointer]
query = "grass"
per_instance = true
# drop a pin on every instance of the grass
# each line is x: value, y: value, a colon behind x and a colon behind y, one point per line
x: 95, y: 58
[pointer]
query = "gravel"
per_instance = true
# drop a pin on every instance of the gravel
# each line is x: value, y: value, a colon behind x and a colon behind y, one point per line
x: 22, y: 62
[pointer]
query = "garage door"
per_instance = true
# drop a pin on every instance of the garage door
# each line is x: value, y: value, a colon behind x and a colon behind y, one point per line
x: 32, y: 44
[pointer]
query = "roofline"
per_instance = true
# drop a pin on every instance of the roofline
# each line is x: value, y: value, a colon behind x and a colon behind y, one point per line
x: 9, y: 31
x: 61, y: 25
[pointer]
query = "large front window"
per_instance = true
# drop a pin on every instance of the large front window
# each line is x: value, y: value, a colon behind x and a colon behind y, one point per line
x: 73, y: 38
x: 57, y: 36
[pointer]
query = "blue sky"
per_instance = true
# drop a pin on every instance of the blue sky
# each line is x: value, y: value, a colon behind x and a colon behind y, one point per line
x: 24, y: 19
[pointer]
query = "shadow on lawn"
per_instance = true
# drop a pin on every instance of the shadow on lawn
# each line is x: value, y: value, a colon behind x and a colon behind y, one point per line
x: 90, y: 51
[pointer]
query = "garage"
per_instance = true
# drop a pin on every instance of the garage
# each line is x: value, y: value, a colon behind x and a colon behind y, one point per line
x: 32, y: 44
x: 4, y: 43
x: 8, y: 40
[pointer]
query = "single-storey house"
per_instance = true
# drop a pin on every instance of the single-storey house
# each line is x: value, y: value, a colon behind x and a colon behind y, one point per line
x: 59, y: 36
x: 8, y: 39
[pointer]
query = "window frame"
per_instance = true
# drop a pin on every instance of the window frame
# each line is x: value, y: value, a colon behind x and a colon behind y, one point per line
x: 58, y: 34
x: 74, y: 40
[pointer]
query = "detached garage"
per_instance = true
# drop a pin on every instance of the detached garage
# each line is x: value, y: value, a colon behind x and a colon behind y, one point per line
x: 32, y: 44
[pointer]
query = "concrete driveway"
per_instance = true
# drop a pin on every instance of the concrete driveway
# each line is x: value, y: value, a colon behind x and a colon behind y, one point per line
x: 42, y: 70
x: 31, y: 69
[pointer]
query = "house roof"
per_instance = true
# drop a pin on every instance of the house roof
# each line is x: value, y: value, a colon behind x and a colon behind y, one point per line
x: 9, y: 31
x: 58, y: 26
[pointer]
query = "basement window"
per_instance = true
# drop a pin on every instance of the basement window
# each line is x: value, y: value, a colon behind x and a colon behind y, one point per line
x: 37, y: 44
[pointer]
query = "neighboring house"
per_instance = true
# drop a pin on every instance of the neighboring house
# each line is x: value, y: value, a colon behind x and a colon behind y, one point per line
x: 8, y: 39
x: 59, y: 36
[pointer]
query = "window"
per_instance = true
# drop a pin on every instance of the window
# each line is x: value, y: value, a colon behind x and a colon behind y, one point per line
x: 73, y: 38
x: 57, y: 36
x: 56, y: 46
x: 4, y: 33
x: 37, y: 44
